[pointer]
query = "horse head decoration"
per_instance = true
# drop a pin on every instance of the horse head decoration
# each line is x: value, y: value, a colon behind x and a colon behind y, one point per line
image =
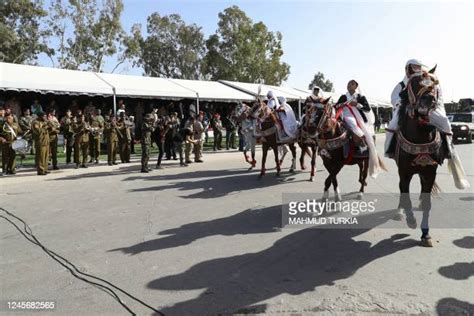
x: 420, y: 96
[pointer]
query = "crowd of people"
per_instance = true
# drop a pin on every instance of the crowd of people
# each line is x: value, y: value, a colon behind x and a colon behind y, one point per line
x: 85, y: 130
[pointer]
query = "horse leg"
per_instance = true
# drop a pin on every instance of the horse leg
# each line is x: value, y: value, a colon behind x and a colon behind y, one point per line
x: 313, y: 162
x: 293, y: 157
x: 337, y: 194
x: 254, y: 162
x: 328, y: 181
x: 405, y: 201
x: 264, y: 159
x: 275, y: 152
x: 303, y: 151
x: 427, y: 181
x: 246, y: 156
x: 363, y: 171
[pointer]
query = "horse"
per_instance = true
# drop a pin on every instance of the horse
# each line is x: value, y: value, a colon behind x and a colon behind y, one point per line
x: 419, y: 148
x: 307, y: 134
x: 266, y: 129
x: 332, y: 137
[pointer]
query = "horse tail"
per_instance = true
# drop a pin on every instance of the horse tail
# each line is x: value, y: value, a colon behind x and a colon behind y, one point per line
x: 382, y: 164
x: 436, y: 189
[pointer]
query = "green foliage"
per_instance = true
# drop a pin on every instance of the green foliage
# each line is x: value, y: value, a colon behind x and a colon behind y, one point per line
x: 86, y: 32
x: 320, y: 81
x: 244, y: 51
x: 172, y: 49
x: 21, y: 36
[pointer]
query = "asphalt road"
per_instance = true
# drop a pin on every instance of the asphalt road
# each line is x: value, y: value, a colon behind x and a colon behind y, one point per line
x: 205, y: 240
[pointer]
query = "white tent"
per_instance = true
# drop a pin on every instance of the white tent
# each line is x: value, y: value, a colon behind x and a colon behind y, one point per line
x: 51, y: 80
x: 252, y: 88
x: 213, y: 90
x: 289, y: 94
x: 146, y: 87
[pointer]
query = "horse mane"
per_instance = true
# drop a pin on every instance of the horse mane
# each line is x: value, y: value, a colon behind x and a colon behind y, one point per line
x: 402, y: 111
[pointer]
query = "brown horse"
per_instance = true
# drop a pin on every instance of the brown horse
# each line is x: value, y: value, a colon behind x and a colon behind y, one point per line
x: 419, y: 147
x: 307, y: 134
x: 332, y: 137
x: 266, y: 130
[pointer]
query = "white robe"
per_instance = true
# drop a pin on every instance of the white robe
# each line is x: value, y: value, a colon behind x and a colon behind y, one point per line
x: 356, y: 124
x: 288, y: 119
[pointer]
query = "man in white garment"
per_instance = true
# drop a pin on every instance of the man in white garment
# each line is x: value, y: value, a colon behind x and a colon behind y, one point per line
x: 272, y: 100
x: 437, y: 118
x: 288, y: 118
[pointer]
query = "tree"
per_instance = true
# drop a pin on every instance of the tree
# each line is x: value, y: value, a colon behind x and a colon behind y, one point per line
x: 172, y: 49
x: 241, y: 50
x: 22, y: 38
x: 320, y: 81
x: 86, y: 32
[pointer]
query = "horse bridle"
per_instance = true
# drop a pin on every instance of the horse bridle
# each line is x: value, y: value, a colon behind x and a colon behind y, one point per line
x: 428, y: 83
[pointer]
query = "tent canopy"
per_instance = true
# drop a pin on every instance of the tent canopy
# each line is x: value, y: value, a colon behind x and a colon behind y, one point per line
x: 51, y: 80
x: 146, y: 87
x: 213, y: 90
x: 74, y: 82
x: 252, y: 88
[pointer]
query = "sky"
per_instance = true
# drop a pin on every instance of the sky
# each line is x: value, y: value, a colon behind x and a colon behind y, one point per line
x: 367, y: 41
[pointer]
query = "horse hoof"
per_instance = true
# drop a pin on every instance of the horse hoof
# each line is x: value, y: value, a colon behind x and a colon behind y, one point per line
x: 360, y: 196
x: 292, y: 170
x: 250, y: 169
x: 303, y: 167
x: 411, y: 222
x: 311, y: 179
x: 398, y: 217
x: 426, y: 242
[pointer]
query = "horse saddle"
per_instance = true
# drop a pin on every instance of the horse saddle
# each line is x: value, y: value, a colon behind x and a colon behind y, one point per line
x: 351, y: 149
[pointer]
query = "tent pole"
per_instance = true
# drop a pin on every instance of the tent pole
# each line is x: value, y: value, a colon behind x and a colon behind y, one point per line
x: 299, y: 108
x: 197, y: 103
x: 115, y: 102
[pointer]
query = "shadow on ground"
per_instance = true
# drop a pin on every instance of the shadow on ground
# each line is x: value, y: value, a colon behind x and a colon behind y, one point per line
x: 452, y: 306
x: 295, y: 264
x: 215, y: 187
x: 251, y: 221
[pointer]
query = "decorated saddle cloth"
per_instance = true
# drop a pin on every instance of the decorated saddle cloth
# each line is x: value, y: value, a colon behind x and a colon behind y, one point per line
x: 354, y: 151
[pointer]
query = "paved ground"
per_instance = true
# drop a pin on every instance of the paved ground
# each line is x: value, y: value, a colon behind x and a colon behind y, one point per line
x: 205, y: 240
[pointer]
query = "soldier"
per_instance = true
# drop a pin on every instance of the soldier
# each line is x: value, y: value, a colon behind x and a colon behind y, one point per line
x: 66, y: 127
x: 25, y: 125
x: 124, y: 138
x: 81, y: 130
x: 36, y: 108
x: 183, y: 136
x: 188, y: 146
x: 39, y: 128
x: 9, y: 132
x: 146, y: 140
x: 170, y: 135
x: 230, y: 129
x: 97, y: 126
x: 53, y: 130
x: 111, y: 134
x: 162, y: 127
x: 198, y: 132
x: 216, y: 125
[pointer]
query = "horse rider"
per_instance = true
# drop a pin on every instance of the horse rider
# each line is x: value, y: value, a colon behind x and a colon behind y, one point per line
x: 288, y: 119
x: 355, y: 108
x: 437, y: 118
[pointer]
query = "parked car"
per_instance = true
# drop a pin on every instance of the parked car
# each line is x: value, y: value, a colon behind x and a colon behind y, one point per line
x: 462, y: 125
